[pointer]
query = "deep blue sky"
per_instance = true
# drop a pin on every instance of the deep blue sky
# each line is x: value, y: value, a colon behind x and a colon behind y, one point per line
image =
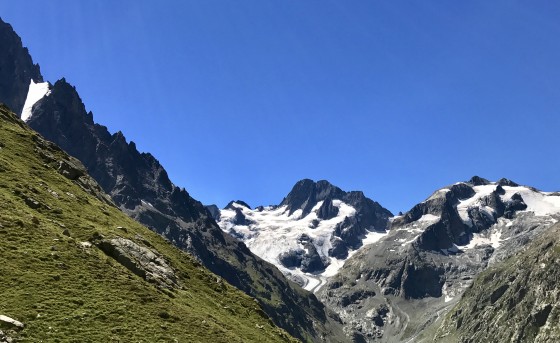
x: 240, y: 99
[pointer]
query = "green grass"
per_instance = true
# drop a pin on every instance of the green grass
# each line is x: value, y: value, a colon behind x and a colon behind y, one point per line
x: 64, y: 292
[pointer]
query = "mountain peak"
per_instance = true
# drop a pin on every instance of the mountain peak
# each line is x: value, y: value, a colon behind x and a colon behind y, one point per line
x: 306, y: 193
x: 507, y: 182
x: 478, y: 181
x: 231, y: 206
x: 16, y: 69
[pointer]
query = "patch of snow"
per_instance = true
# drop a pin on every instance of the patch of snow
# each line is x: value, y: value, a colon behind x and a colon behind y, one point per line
x: 35, y: 93
x: 474, y: 201
x: 482, y: 239
x: 540, y: 203
x: 373, y: 237
x: 446, y: 293
x: 405, y: 242
x: 146, y: 203
x: 429, y: 218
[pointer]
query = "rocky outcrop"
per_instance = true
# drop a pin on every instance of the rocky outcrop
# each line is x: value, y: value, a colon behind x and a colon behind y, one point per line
x: 140, y: 260
x: 214, y: 211
x: 16, y: 69
x: 5, y: 338
x: 308, y: 259
x: 70, y: 167
x: 327, y: 210
x: 8, y: 322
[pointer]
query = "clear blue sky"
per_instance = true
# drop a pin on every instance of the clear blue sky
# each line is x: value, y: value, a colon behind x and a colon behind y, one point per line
x: 240, y: 99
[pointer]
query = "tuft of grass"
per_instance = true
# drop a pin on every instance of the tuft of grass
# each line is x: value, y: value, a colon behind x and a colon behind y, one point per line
x: 64, y: 290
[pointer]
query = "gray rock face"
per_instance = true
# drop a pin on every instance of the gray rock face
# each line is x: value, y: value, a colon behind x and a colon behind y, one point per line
x: 10, y: 322
x: 292, y: 258
x: 141, y: 261
x: 306, y: 194
x: 327, y: 210
x: 311, y: 261
x: 308, y: 259
x: 5, y: 338
x: 16, y: 69
x: 214, y: 211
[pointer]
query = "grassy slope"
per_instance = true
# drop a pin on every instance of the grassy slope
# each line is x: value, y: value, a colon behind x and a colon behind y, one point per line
x: 64, y: 292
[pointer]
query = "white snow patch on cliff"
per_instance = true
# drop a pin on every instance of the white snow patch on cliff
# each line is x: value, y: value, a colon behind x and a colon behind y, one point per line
x: 35, y: 93
x: 540, y: 203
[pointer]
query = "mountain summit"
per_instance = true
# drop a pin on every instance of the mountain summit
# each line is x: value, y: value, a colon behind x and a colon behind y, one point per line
x: 17, y: 69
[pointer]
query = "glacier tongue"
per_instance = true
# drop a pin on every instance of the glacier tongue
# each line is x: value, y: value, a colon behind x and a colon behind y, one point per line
x: 35, y: 93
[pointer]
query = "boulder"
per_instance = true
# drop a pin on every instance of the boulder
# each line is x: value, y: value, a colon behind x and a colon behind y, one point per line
x: 141, y: 261
x: 10, y: 322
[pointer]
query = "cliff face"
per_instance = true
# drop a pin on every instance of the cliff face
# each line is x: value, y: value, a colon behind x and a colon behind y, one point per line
x: 16, y: 69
